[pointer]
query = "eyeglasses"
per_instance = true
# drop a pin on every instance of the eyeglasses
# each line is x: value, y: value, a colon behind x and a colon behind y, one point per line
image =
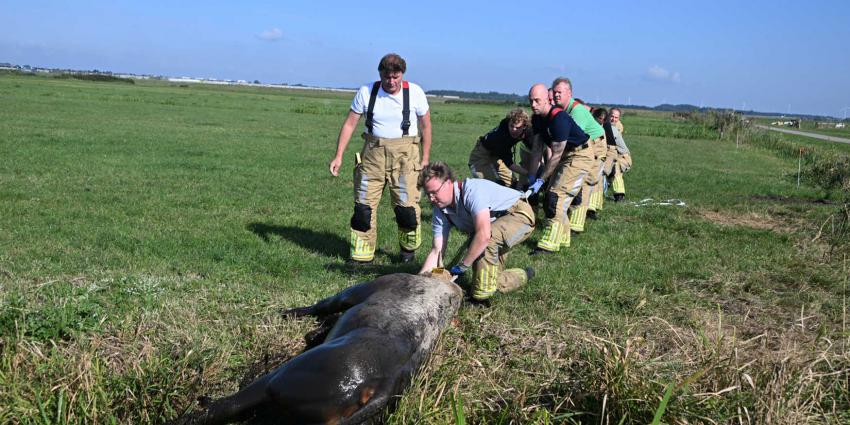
x: 434, y: 193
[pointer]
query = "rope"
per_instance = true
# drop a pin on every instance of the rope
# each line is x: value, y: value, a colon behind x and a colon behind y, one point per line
x: 648, y: 202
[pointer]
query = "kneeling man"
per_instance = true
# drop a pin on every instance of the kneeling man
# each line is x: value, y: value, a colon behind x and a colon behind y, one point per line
x: 496, y: 216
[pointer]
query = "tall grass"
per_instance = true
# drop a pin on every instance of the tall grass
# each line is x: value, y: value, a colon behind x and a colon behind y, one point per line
x: 828, y: 170
x: 149, y: 233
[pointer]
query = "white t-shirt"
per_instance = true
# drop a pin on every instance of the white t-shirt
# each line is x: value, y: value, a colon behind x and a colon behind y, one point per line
x: 386, y: 121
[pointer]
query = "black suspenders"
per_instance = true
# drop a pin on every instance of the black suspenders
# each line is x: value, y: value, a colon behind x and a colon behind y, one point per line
x: 405, y: 112
x: 370, y: 110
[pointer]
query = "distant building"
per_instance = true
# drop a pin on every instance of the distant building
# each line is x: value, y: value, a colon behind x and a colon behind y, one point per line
x: 184, y: 80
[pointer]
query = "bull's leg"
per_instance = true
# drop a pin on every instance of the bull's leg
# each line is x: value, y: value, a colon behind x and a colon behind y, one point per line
x: 342, y: 301
x: 237, y: 407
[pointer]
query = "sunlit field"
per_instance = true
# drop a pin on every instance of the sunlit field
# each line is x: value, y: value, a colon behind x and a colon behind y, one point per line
x: 150, y: 235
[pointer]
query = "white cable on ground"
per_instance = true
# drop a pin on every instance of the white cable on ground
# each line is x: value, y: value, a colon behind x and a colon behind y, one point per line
x: 648, y: 202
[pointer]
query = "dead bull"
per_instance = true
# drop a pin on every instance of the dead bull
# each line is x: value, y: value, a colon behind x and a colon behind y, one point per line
x: 388, y: 329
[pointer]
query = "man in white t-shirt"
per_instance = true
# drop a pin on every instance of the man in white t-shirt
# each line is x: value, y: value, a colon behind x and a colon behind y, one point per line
x: 390, y: 156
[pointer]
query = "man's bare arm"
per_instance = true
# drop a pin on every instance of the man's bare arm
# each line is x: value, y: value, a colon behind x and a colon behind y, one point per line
x: 348, y: 127
x: 552, y: 162
x: 518, y: 169
x: 435, y: 255
x: 425, y: 131
x: 537, y: 149
x: 481, y: 238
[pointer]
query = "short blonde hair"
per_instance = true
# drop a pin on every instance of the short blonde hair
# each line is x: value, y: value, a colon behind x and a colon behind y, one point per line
x: 560, y: 80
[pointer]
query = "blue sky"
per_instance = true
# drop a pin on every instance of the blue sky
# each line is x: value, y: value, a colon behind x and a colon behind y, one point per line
x: 762, y: 55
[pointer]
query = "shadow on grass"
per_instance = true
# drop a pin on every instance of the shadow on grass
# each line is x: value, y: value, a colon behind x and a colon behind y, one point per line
x: 325, y: 243
x: 333, y: 246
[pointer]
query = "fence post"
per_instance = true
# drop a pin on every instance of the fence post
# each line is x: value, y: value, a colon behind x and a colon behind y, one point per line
x: 799, y: 167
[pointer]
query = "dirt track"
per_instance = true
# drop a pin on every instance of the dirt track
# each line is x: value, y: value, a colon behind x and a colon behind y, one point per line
x: 806, y: 134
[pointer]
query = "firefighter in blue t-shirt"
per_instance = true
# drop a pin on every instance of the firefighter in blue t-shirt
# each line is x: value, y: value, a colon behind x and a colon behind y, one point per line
x: 566, y: 169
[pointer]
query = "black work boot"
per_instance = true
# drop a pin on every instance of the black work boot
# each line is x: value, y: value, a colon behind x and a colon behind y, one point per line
x: 354, y: 263
x: 539, y: 251
x: 529, y: 273
x: 407, y: 256
x: 591, y: 214
x: 485, y: 303
x: 619, y: 197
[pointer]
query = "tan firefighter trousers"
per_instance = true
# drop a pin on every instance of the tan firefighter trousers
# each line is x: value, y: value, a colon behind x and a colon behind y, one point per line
x: 386, y: 162
x: 564, y: 185
x: 484, y: 165
x: 506, y: 232
x: 579, y: 213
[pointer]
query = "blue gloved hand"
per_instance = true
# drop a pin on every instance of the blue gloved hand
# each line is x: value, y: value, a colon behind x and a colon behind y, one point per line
x: 536, y: 186
x: 458, y: 269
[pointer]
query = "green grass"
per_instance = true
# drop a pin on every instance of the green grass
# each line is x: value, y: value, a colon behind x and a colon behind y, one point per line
x: 150, y: 233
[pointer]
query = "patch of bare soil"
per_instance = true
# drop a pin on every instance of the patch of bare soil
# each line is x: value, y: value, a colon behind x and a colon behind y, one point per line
x: 752, y: 220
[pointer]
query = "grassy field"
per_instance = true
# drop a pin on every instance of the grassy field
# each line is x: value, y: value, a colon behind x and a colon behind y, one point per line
x: 151, y: 233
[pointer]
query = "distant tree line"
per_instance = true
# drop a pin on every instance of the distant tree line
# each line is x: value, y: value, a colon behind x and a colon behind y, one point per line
x: 489, y: 97
x: 510, y: 98
x: 95, y: 77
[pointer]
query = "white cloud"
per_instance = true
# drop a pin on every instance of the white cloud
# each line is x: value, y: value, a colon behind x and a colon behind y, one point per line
x: 273, y: 34
x: 657, y: 73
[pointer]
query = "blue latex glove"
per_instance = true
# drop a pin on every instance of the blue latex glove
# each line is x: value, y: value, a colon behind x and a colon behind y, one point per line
x: 534, y: 188
x: 458, y: 269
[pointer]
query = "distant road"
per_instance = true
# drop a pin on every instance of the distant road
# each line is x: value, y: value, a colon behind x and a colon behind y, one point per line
x: 806, y: 134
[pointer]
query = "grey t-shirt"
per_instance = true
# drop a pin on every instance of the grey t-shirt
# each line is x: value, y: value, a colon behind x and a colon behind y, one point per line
x: 622, y: 149
x: 471, y: 197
